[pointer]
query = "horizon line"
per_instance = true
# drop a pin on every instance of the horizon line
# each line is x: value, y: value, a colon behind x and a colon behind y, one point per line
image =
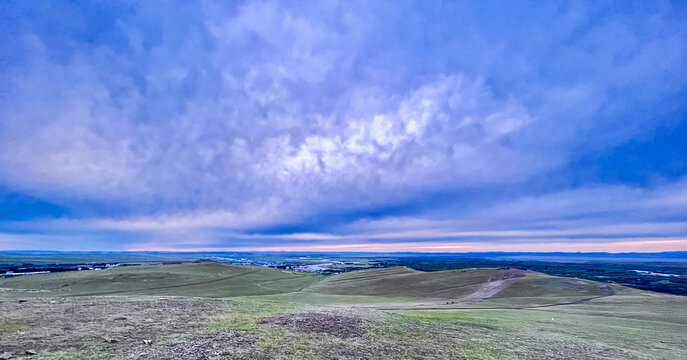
x: 182, y: 251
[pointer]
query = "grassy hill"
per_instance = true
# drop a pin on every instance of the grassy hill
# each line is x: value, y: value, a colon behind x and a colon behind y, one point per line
x: 216, y: 311
x: 539, y: 289
x: 405, y: 282
x: 189, y: 279
x: 396, y: 284
x: 511, y: 287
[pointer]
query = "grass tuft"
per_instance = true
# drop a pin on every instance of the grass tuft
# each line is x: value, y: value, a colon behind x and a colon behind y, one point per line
x: 70, y: 355
x: 452, y: 319
x: 10, y: 326
x: 482, y: 349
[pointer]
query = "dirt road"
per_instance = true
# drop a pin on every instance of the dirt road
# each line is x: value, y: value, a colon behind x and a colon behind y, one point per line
x: 611, y: 291
x: 501, y: 281
x: 497, y: 283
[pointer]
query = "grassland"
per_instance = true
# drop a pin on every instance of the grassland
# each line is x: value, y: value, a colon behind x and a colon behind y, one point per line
x: 191, y: 279
x: 214, y: 311
x: 405, y: 282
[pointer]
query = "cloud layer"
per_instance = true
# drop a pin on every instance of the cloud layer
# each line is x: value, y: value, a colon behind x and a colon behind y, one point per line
x: 268, y: 124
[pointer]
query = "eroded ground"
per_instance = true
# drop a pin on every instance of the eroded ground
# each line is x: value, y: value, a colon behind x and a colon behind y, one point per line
x: 198, y: 328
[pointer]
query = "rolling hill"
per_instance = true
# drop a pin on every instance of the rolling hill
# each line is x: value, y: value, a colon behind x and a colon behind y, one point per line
x: 206, y: 279
x: 216, y: 311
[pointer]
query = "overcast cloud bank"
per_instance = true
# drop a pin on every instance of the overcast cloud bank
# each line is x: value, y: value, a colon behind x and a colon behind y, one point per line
x: 343, y: 125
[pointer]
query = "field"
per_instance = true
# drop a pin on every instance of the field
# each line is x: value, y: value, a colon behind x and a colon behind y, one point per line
x: 215, y: 311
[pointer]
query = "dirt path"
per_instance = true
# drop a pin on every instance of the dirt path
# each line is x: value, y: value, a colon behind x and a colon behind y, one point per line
x: 499, y: 282
x: 611, y: 291
x: 504, y: 279
x: 260, y: 285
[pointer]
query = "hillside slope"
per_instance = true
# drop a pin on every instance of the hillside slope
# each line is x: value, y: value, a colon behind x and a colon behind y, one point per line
x: 216, y: 311
x: 189, y: 279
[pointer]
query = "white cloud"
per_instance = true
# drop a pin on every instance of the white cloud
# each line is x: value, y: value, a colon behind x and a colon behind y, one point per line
x: 258, y: 114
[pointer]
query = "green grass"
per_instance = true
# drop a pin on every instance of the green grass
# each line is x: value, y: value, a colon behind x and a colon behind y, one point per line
x: 632, y: 324
x: 391, y: 326
x: 396, y: 284
x: 607, y: 323
x: 246, y: 318
x: 455, y: 319
x: 247, y: 314
x: 61, y: 355
x: 192, y: 279
x: 10, y: 326
x: 236, y: 321
x: 540, y: 289
x: 307, y: 297
x: 402, y: 282
x: 481, y: 349
x: 69, y: 355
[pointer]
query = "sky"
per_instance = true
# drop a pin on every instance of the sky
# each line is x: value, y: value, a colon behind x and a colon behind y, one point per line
x: 429, y: 126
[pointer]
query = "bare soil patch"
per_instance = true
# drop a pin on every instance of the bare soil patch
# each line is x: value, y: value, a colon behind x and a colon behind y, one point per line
x: 322, y: 323
x: 111, y: 324
x: 499, y: 282
x: 222, y: 345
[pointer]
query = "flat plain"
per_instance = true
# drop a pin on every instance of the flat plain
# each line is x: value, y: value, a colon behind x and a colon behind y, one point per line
x: 215, y: 311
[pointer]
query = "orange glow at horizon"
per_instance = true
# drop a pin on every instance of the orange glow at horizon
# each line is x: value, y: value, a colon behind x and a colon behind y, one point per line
x: 448, y: 247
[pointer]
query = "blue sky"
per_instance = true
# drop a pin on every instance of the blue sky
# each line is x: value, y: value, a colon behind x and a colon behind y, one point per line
x: 363, y: 126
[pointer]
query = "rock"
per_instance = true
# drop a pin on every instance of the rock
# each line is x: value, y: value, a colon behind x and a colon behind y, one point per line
x: 147, y: 342
x: 6, y: 355
x: 110, y: 340
x: 31, y: 352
